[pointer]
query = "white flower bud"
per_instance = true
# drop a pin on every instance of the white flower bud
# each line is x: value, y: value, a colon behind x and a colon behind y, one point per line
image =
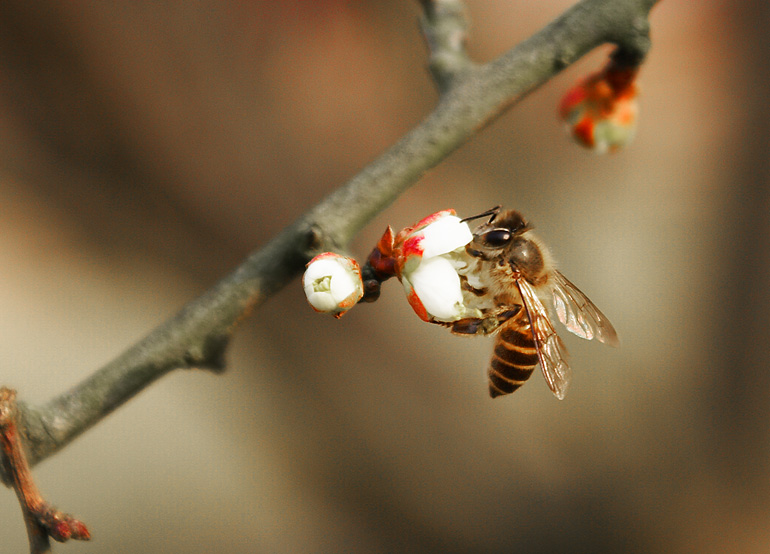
x: 332, y: 283
x: 428, y: 258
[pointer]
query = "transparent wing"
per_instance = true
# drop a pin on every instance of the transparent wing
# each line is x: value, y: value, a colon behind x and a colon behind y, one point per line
x: 550, y: 349
x: 578, y: 313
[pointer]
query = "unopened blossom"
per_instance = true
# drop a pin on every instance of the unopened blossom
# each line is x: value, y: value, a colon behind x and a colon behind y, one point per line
x: 601, y: 111
x: 332, y: 283
x: 428, y: 256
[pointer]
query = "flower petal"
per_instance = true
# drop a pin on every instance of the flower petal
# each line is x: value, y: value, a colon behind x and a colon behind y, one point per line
x: 447, y: 234
x: 437, y: 285
x: 415, y: 302
x: 444, y: 233
x: 432, y: 218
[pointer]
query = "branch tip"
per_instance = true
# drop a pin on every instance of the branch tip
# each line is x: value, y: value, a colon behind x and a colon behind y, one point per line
x: 42, y: 519
x: 445, y: 28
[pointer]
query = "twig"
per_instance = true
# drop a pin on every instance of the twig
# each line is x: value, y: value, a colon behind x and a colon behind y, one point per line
x: 445, y: 28
x: 198, y: 336
x: 42, y: 519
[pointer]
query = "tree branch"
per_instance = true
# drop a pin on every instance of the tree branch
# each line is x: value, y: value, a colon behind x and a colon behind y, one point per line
x: 472, y: 95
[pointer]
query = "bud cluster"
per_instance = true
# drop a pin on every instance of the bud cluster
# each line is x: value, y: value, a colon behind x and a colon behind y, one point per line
x: 429, y: 259
x: 601, y: 110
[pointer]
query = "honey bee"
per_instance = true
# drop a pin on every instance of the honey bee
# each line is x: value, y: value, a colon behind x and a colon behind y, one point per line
x: 510, y: 273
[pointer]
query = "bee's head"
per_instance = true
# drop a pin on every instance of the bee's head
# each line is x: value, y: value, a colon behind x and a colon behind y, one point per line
x: 498, y: 234
x: 505, y: 238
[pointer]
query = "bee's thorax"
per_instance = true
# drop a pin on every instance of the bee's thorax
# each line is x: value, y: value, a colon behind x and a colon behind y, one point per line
x: 530, y: 258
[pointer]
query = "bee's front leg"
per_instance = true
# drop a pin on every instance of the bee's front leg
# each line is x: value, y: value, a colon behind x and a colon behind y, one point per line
x: 483, y: 325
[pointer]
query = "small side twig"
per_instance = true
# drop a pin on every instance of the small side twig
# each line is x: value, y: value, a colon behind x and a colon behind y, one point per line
x: 42, y: 519
x: 445, y: 28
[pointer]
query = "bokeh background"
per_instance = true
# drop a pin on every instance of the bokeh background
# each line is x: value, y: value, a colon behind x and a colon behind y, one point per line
x: 146, y: 148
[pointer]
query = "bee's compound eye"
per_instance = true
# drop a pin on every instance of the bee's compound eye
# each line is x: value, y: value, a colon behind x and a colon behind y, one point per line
x: 497, y: 237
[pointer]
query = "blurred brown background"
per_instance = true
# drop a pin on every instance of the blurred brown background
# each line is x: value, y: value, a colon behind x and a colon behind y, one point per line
x: 146, y: 148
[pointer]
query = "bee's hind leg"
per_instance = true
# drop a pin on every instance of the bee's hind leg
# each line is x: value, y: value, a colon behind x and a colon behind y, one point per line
x: 483, y: 325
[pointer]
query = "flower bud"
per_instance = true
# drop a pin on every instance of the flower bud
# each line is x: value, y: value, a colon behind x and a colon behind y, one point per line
x: 332, y: 283
x: 427, y: 258
x: 601, y: 111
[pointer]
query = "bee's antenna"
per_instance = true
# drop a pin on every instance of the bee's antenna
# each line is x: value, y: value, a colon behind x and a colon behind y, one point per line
x: 492, y: 213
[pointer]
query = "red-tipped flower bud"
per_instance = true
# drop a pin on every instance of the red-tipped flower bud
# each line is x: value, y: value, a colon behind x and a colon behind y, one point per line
x: 428, y: 256
x: 601, y: 111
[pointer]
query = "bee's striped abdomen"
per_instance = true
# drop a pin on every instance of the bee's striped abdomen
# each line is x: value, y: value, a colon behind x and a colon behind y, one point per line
x: 515, y: 356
